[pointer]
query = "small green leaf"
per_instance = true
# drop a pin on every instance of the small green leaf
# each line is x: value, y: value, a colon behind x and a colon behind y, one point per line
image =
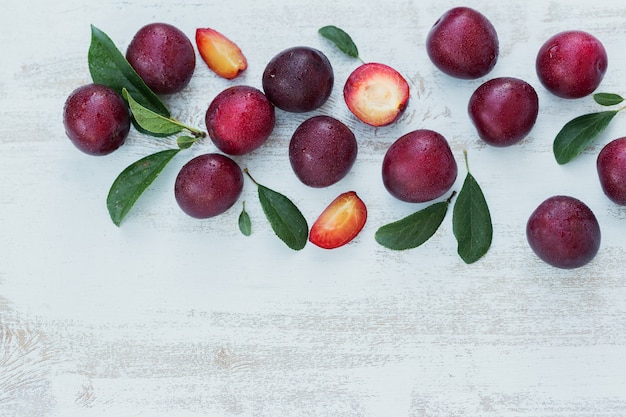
x: 245, y: 225
x: 608, y: 99
x: 285, y: 218
x: 185, y: 142
x: 579, y: 133
x: 341, y: 39
x: 414, y: 229
x: 471, y: 221
x: 133, y: 181
x: 109, y: 67
x: 150, y: 121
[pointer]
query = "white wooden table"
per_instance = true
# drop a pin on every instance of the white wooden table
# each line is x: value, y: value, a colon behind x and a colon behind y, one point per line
x: 172, y: 316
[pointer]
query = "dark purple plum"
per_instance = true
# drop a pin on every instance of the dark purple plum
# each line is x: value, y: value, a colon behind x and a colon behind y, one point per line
x: 571, y: 64
x: 504, y: 110
x: 611, y: 165
x: 563, y: 232
x: 321, y: 151
x: 96, y: 119
x: 163, y: 56
x: 463, y: 43
x: 298, y: 79
x: 419, y: 167
x: 208, y: 185
x: 240, y: 119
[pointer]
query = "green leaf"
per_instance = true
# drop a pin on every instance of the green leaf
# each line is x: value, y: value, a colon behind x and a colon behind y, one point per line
x: 133, y: 181
x: 341, y: 39
x: 150, y: 121
x: 414, y: 229
x: 579, y: 133
x: 185, y: 142
x: 608, y: 99
x: 245, y: 225
x: 109, y: 67
x: 285, y: 218
x: 471, y: 221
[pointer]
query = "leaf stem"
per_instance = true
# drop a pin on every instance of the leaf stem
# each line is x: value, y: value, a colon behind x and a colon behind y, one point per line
x: 245, y: 170
x: 466, y: 160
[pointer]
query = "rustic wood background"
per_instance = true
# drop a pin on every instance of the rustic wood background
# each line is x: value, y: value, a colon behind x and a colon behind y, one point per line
x: 172, y: 316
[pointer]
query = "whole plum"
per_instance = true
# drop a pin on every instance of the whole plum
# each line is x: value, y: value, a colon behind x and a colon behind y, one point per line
x: 611, y: 166
x: 571, y: 64
x: 298, y: 79
x: 563, y: 232
x: 208, y: 185
x: 163, y: 56
x: 321, y: 151
x: 504, y: 110
x: 96, y: 119
x: 240, y: 119
x: 463, y: 43
x: 419, y: 167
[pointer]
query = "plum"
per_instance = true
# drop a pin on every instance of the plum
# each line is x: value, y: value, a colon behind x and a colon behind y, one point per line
x: 504, y: 110
x: 240, y: 119
x: 96, y: 119
x: 376, y: 94
x: 163, y: 56
x: 611, y: 166
x: 298, y: 79
x: 463, y: 43
x: 571, y: 64
x: 321, y: 151
x: 419, y: 166
x: 563, y: 232
x: 208, y: 185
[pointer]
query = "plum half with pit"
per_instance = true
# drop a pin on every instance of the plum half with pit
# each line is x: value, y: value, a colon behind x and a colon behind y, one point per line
x: 463, y: 43
x: 611, y: 166
x: 571, y: 64
x: 240, y: 119
x: 419, y: 167
x: 96, y: 119
x: 163, y: 56
x: 208, y: 185
x: 322, y: 150
x: 504, y: 110
x: 298, y: 79
x: 564, y: 232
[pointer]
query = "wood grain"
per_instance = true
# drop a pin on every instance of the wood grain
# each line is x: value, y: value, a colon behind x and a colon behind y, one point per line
x: 171, y: 316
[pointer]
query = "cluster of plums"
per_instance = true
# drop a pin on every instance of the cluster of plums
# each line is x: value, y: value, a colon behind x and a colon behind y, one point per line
x: 417, y: 167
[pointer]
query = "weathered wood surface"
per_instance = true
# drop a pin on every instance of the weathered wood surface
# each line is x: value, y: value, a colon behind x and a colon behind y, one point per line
x: 171, y: 316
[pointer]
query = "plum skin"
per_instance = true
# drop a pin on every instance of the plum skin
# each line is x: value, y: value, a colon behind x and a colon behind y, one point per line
x: 504, y: 110
x: 419, y: 167
x: 322, y: 151
x: 208, y: 185
x: 563, y: 232
x: 240, y: 119
x: 463, y: 43
x: 571, y: 64
x: 611, y: 167
x: 163, y: 56
x: 298, y: 80
x: 96, y: 119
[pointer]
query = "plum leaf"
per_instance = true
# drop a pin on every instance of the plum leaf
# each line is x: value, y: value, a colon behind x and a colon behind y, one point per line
x: 414, y: 229
x: 245, y: 224
x: 608, y: 99
x: 471, y: 220
x: 108, y: 66
x: 286, y: 219
x: 579, y: 133
x: 133, y: 181
x: 341, y: 39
